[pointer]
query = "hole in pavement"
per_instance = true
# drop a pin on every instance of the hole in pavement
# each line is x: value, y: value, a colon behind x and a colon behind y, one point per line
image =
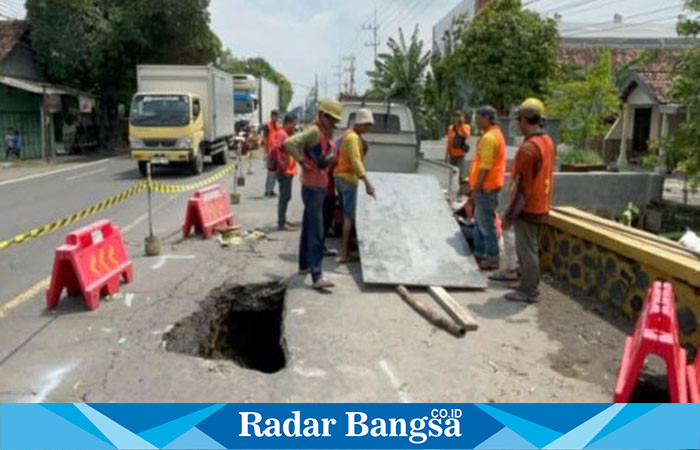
x: 238, y: 322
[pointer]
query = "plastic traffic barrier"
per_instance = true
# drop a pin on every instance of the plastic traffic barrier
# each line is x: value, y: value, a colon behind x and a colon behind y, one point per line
x: 656, y: 333
x: 208, y: 209
x: 694, y: 380
x: 93, y: 261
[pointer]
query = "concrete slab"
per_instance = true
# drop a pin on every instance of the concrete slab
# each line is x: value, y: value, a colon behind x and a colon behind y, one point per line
x: 407, y: 235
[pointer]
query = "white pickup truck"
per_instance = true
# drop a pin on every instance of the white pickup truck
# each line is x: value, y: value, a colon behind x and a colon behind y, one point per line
x: 393, y: 142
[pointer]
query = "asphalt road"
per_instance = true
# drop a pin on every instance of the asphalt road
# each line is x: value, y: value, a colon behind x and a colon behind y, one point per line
x: 32, y: 201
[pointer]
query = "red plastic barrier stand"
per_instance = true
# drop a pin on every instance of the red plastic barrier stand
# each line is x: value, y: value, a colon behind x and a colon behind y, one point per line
x: 656, y: 333
x: 92, y: 262
x: 208, y: 209
x: 694, y: 380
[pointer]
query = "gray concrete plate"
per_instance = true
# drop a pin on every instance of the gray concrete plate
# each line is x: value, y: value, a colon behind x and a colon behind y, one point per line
x: 407, y: 235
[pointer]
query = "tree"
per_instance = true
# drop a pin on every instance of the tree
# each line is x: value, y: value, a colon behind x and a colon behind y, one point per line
x: 260, y: 68
x: 682, y: 150
x: 401, y: 71
x: 586, y: 104
x: 507, y: 53
x: 96, y: 44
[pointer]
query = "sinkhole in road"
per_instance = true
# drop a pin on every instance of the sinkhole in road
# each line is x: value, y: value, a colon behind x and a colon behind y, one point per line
x: 238, y: 322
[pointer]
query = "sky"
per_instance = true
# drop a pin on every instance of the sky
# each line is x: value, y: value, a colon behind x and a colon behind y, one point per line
x: 303, y: 38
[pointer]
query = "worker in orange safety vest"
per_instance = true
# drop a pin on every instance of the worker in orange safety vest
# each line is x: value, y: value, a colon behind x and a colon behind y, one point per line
x: 270, y: 139
x: 531, y: 196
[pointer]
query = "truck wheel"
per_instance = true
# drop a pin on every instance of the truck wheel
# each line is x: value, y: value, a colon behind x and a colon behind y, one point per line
x: 197, y: 164
x: 142, y: 168
x: 221, y: 158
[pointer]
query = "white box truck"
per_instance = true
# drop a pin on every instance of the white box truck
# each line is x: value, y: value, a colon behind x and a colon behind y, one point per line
x: 255, y: 98
x: 181, y: 115
x: 269, y: 96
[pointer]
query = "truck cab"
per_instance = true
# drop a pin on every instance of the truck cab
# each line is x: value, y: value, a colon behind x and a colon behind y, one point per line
x: 166, y: 128
x: 181, y: 115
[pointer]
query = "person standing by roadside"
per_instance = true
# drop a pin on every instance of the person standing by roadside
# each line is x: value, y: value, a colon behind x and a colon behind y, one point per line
x: 486, y: 177
x: 270, y: 139
x: 458, y: 142
x: 312, y: 148
x: 349, y: 172
x: 531, y: 196
x: 286, y: 168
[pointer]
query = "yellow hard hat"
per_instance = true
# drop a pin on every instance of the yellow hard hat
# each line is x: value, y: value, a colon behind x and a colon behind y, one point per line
x: 531, y: 107
x: 332, y: 107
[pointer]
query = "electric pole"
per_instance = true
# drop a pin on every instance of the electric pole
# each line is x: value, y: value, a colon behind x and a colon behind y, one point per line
x: 339, y: 73
x: 373, y: 27
x: 351, y: 71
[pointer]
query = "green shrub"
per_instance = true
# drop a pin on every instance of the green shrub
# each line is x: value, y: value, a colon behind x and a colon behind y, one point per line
x: 575, y: 156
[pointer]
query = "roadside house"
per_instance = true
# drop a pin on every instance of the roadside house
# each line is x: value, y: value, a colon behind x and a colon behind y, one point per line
x: 28, y: 100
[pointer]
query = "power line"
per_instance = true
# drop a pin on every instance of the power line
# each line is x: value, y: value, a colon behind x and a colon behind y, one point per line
x: 587, y: 27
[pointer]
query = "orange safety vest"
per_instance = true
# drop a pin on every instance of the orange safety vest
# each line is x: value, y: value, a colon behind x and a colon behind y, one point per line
x: 495, y: 177
x: 291, y: 168
x: 456, y: 152
x: 312, y: 175
x: 271, y: 136
x: 540, y: 200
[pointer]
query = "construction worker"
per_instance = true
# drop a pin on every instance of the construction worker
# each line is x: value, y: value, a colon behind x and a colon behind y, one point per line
x: 458, y: 142
x: 270, y: 139
x: 286, y: 168
x: 486, y: 176
x: 312, y: 148
x: 531, y: 196
x: 349, y: 172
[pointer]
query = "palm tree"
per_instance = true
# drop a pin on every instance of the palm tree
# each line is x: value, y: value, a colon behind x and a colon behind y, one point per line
x: 401, y: 71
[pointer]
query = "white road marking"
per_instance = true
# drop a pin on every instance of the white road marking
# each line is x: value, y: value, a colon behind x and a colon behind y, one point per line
x: 400, y: 387
x: 164, y: 258
x: 86, y: 174
x: 51, y: 380
x: 54, y: 172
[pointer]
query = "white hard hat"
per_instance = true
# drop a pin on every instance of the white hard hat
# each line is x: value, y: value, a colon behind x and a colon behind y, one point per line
x: 364, y: 116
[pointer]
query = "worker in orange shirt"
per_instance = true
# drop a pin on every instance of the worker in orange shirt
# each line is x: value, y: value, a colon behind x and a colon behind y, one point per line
x: 531, y: 196
x: 486, y: 177
x: 458, y: 142
x: 286, y: 169
x: 270, y: 139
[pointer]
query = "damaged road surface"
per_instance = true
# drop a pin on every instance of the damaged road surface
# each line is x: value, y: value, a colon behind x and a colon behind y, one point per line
x: 238, y: 322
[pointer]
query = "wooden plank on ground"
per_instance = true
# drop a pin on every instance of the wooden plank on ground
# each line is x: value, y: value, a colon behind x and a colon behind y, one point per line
x: 430, y: 315
x: 454, y: 309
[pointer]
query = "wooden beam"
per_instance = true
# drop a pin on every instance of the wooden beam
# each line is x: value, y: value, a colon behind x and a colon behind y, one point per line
x: 430, y: 315
x: 454, y: 309
x: 665, y: 260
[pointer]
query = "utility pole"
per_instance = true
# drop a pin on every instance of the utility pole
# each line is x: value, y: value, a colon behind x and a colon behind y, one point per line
x: 351, y: 71
x: 339, y: 73
x: 316, y: 87
x: 373, y: 27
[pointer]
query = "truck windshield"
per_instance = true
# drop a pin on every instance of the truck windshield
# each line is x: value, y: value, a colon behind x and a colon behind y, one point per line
x: 160, y: 110
x: 244, y: 103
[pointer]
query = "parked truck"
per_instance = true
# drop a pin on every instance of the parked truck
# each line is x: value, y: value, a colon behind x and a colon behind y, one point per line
x: 255, y: 97
x: 181, y: 115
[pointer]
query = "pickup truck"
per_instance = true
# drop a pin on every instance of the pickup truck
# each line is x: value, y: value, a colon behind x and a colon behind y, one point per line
x: 393, y: 142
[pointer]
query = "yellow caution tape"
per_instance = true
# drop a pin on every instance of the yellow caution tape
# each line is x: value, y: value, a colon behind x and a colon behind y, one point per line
x: 94, y: 209
x: 175, y: 188
x: 111, y: 201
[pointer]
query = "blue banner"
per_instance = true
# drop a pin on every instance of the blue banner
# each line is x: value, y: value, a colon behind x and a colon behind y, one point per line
x: 349, y: 426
